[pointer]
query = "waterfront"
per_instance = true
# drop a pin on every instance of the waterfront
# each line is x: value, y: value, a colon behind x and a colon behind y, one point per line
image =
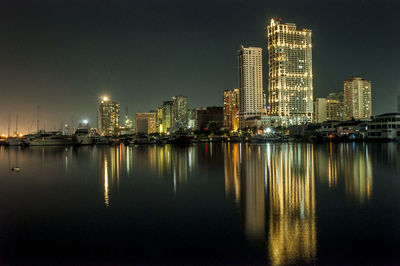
x: 281, y: 203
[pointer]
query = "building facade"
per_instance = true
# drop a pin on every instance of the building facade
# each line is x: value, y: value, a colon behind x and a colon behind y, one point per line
x: 146, y: 122
x: 108, y: 117
x: 320, y: 110
x: 335, y: 106
x: 398, y: 104
x: 385, y: 127
x: 165, y: 117
x: 250, y: 83
x: 210, y: 116
x: 180, y: 112
x: 290, y: 76
x: 231, y: 109
x: 357, y: 98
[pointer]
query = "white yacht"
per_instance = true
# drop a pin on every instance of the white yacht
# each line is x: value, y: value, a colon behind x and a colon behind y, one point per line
x: 82, y: 136
x: 48, y: 139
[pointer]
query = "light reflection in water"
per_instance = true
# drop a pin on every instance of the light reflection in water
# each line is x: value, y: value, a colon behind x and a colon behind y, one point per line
x: 356, y: 166
x: 285, y: 174
x: 232, y: 171
x: 112, y: 164
x: 292, y: 227
x: 252, y: 172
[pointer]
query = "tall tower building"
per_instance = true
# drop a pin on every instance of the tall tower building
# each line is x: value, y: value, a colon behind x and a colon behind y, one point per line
x: 180, y: 112
x: 231, y: 109
x: 250, y: 83
x: 167, y: 117
x: 108, y: 116
x: 357, y: 98
x: 290, y: 78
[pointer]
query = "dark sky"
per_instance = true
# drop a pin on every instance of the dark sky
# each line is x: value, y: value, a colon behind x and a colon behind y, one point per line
x: 63, y: 55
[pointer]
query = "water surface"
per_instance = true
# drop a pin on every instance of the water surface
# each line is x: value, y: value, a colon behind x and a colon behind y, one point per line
x: 285, y: 203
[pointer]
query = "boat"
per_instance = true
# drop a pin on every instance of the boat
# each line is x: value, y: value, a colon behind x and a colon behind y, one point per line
x: 82, y: 136
x: 54, y: 138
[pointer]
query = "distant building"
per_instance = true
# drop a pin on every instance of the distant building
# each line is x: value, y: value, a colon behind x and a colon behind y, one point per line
x: 250, y: 83
x: 210, y: 115
x: 290, y: 76
x: 385, y: 126
x: 398, y: 104
x: 108, y: 117
x: 335, y: 106
x: 159, y: 126
x: 180, y: 112
x: 198, y: 111
x: 191, y: 118
x: 320, y: 110
x: 146, y: 122
x: 167, y: 117
x: 357, y: 99
x: 231, y: 109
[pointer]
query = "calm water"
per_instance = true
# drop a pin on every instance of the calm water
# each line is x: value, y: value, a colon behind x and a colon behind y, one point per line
x: 207, y: 203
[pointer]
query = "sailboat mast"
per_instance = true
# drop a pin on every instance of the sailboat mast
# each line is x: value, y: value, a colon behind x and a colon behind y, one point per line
x: 16, y: 125
x: 9, y: 121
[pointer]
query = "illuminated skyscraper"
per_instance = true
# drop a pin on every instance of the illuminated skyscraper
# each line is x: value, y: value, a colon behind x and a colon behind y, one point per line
x: 108, y: 116
x: 250, y: 83
x: 180, y: 112
x: 357, y: 98
x: 290, y: 78
x: 231, y: 109
x: 167, y: 116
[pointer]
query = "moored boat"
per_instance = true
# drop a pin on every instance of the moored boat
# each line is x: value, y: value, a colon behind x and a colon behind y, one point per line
x: 82, y: 136
x: 48, y: 139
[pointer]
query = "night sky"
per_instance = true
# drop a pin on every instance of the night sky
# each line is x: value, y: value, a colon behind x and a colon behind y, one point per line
x: 63, y: 55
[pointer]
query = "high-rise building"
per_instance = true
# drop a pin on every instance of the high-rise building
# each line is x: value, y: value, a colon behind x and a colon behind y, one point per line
x: 146, y: 122
x: 335, y: 106
x: 167, y: 116
x: 250, y: 83
x: 108, y: 116
x: 320, y: 110
x: 290, y: 78
x: 357, y: 98
x: 179, y: 112
x: 159, y: 115
x: 231, y: 109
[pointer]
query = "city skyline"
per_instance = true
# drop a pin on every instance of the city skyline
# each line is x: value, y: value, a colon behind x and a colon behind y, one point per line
x: 64, y: 69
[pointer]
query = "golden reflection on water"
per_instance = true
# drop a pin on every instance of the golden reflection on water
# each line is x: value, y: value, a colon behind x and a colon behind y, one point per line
x: 252, y: 192
x: 332, y: 168
x: 232, y: 171
x: 111, y: 165
x: 292, y: 227
x: 356, y: 166
x: 285, y: 174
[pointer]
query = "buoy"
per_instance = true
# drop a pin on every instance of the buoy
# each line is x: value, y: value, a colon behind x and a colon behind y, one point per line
x: 16, y: 169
